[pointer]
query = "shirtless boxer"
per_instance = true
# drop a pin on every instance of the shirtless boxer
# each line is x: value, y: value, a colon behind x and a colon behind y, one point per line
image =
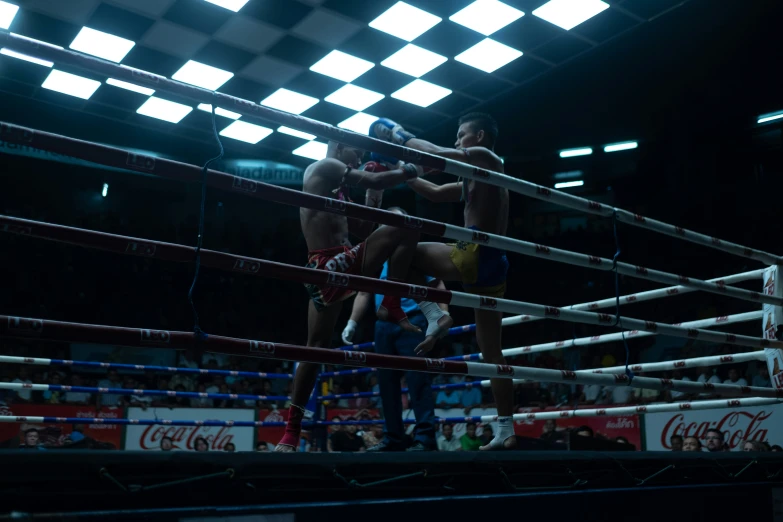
x: 327, y: 237
x: 480, y: 269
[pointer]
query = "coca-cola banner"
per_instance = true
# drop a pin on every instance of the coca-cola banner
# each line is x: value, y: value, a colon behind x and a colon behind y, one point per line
x: 762, y: 423
x: 13, y: 435
x: 147, y: 438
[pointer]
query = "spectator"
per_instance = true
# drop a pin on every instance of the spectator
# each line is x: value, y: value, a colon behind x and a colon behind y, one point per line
x: 676, y: 442
x: 448, y: 398
x: 32, y: 438
x: 585, y: 431
x: 112, y: 381
x: 141, y: 400
x: 262, y: 446
x: 200, y: 444
x: 550, y: 432
x: 358, y: 403
x: 753, y: 445
x: 775, y: 448
x: 714, y: 439
x: 230, y: 447
x: 347, y: 440
x: 373, y: 436
x: 707, y: 375
x: 74, y: 397
x: 53, y: 397
x: 471, y: 396
x: 77, y: 435
x: 762, y: 378
x: 735, y: 379
x: 591, y: 393
x: 621, y: 394
x: 166, y: 444
x: 691, y: 444
x: 621, y: 440
x: 486, y: 434
x: 679, y: 395
x: 201, y: 402
x: 469, y: 441
x: 22, y: 378
x: 447, y: 441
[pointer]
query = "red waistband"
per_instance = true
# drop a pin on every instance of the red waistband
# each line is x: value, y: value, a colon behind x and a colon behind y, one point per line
x: 331, y: 251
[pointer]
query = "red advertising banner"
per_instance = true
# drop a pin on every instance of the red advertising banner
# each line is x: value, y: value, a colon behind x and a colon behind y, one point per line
x: 274, y: 434
x: 627, y: 426
x: 15, y: 435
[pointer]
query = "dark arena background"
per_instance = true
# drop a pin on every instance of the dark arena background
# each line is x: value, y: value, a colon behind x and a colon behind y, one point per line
x: 671, y: 110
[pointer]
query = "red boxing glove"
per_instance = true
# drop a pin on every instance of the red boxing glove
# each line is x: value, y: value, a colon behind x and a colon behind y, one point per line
x: 374, y: 166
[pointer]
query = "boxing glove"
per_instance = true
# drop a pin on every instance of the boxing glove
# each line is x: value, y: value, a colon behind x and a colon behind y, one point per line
x: 388, y: 130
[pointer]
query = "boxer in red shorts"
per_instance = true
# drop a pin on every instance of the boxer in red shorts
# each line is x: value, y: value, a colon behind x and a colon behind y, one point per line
x: 327, y: 237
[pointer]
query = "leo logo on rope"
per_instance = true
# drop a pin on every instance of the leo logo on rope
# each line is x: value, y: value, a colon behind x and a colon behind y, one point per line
x: 651, y: 326
x: 594, y: 205
x: 679, y: 364
x: 480, y: 237
x: 594, y: 260
x: 721, y: 319
x: 679, y: 230
x: 693, y: 333
x: 552, y: 311
x: 140, y: 162
x: 435, y: 364
x: 674, y: 291
x: 620, y: 378
x: 641, y: 270
x: 685, y: 406
x: 733, y: 403
x: 530, y: 416
x: 565, y: 413
x: 641, y: 409
x: 24, y: 325
x: 244, y: 185
x: 17, y: 229
x: 543, y: 191
x: 144, y: 76
x: 335, y: 205
x: 505, y: 369
x: 337, y: 279
x: 600, y: 412
x: 141, y: 249
x: 245, y: 104
x: 726, y: 359
x: 16, y: 134
x: 541, y: 249
x: 605, y: 318
x: 246, y: 265
x: 488, y: 302
x: 639, y: 218
x: 481, y: 173
x: 155, y: 337
x: 666, y: 383
x: 357, y: 357
x: 413, y: 222
x: 568, y: 375
x: 417, y: 292
x: 708, y: 386
x: 263, y: 349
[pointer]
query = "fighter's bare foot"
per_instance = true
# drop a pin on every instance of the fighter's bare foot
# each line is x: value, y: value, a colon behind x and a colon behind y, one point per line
x: 384, y: 315
x: 497, y: 444
x: 435, y: 331
x: 285, y: 448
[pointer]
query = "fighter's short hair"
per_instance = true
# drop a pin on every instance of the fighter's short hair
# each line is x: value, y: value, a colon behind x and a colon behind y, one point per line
x: 482, y: 121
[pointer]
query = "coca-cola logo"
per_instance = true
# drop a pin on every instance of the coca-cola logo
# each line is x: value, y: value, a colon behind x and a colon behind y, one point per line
x: 504, y: 369
x: 337, y: 279
x: 488, y: 302
x: 155, y: 337
x: 417, y: 292
x: 551, y: 311
x: 594, y: 260
x: 249, y: 266
x: 25, y: 326
x: 355, y: 357
x: 481, y: 173
x: 737, y: 427
x: 413, y: 222
x: 543, y: 191
x: 262, y: 349
x: 184, y: 437
x: 435, y: 364
x: 138, y: 248
x: 480, y: 237
x: 16, y: 134
x: 140, y: 162
x: 244, y: 185
x: 541, y: 249
x: 568, y: 375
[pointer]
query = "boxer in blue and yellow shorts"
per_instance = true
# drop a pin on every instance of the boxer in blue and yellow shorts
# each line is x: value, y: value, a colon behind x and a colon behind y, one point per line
x: 483, y: 269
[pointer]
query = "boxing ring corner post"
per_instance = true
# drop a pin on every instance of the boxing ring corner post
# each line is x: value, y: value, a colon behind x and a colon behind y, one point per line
x: 773, y: 325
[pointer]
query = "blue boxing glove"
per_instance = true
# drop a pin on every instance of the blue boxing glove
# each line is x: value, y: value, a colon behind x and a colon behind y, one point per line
x: 387, y: 130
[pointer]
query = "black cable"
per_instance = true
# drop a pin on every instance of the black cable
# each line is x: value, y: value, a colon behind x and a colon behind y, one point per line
x: 628, y: 372
x: 196, y: 328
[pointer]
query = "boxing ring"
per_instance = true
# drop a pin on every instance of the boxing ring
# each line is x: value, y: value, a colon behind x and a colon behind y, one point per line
x: 262, y: 484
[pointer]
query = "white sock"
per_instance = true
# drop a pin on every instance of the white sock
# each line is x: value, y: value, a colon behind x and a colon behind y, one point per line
x: 433, y: 313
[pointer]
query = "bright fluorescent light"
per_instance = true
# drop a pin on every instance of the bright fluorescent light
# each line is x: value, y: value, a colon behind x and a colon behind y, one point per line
x: 421, y: 93
x: 295, y: 133
x: 71, y: 84
x: 571, y: 174
x: 105, y: 191
x: 342, y: 66
x: 487, y: 16
x: 20, y: 56
x: 353, y: 97
x: 359, y: 123
x: 572, y: 153
x: 220, y: 112
x: 100, y: 44
x: 617, y: 147
x: 569, y: 184
x: 764, y: 118
x: 405, y: 21
x: 488, y: 55
x: 289, y: 101
x: 231, y: 5
x: 570, y: 13
x: 164, y: 110
x: 414, y: 60
x: 202, y: 75
x: 314, y: 150
x: 7, y: 14
x: 131, y: 87
x: 247, y: 132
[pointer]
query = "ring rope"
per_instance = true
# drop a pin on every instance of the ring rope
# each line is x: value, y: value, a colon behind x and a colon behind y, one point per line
x: 120, y: 158
x: 517, y: 417
x: 324, y: 130
x: 173, y: 252
x: 75, y: 332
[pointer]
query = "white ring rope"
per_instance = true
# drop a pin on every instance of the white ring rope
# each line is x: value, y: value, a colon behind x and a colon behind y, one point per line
x: 695, y: 362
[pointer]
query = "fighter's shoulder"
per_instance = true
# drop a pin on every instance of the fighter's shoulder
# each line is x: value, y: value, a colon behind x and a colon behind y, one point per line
x: 485, y: 158
x: 327, y: 167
